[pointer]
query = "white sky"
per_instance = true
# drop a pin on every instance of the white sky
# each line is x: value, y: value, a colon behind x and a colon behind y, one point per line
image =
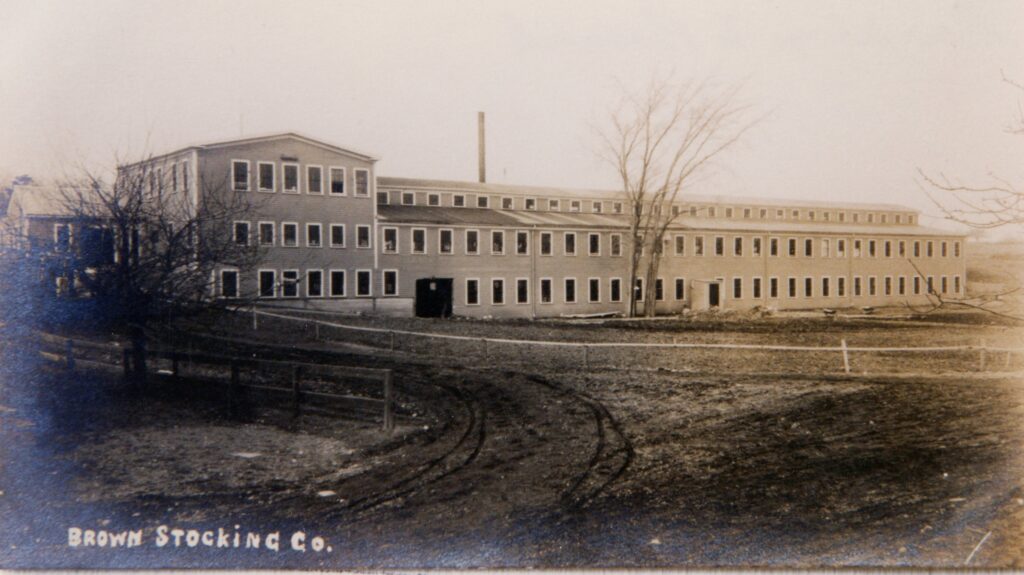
x: 858, y: 93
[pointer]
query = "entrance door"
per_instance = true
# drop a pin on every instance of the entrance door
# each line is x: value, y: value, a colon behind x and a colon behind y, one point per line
x: 714, y: 294
x: 434, y: 297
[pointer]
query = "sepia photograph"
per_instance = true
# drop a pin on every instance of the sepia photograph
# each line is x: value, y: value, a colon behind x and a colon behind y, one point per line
x: 355, y: 285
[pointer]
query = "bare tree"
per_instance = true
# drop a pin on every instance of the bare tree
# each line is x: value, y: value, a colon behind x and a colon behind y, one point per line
x: 660, y: 141
x: 147, y: 250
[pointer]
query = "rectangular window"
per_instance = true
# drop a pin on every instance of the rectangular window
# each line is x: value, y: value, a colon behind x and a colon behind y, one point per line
x: 497, y: 291
x: 313, y: 236
x: 266, y: 233
x: 917, y: 285
x: 522, y: 291
x: 522, y: 243
x: 698, y: 245
x: 545, y: 243
x: 810, y: 215
x: 553, y: 205
x: 871, y: 248
x: 291, y: 178
x: 598, y: 207
x: 756, y: 292
x: 659, y: 289
x: 616, y: 244
x: 419, y: 241
x: 446, y: 241
x: 792, y: 247
x: 459, y: 201
x: 680, y: 245
x: 887, y: 285
x: 826, y: 247
x: 570, y: 243
x: 363, y: 237
x: 917, y: 249
x: 314, y: 180
x: 856, y: 248
x: 434, y: 200
x: 337, y: 235
x: 872, y: 285
x: 574, y: 205
x: 737, y: 246
x: 530, y: 203
x: 944, y: 284
x: 856, y: 286
x: 570, y: 290
x: 841, y: 248
x: 796, y: 214
x: 382, y: 199
x: 185, y: 175
x: 337, y: 283
x: 841, y: 286
x: 680, y: 289
x: 956, y: 284
x: 290, y: 283
x: 809, y: 247
x: 825, y: 291
x: 638, y: 289
x: 719, y: 246
x: 240, y: 175
x: 956, y: 249
x: 773, y: 288
x: 362, y: 182
x: 728, y: 212
x: 408, y: 199
x: 617, y: 207
x: 506, y: 203
x: 773, y: 246
x: 497, y: 242
x: 364, y: 283
x: 755, y: 247
x: 289, y: 234
x: 483, y: 202
x: 266, y: 176
x: 737, y: 288
x: 229, y: 283
x: 390, y: 282
x: 808, y: 287
x: 594, y: 290
x: 545, y: 290
x: 472, y: 292
x: 472, y: 242
x: 241, y: 234
x: 338, y: 183
x: 594, y: 242
x: 615, y: 290
x: 887, y: 249
x: 901, y: 285
x: 268, y: 283
x: 314, y: 283
x: 931, y: 250
x: 792, y: 287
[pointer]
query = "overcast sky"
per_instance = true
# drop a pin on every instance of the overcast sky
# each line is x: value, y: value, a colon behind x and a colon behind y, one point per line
x: 858, y: 93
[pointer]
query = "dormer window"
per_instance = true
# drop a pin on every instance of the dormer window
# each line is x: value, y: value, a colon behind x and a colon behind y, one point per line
x: 711, y: 212
x: 459, y: 201
x: 693, y: 211
x: 382, y: 198
x: 826, y: 216
x: 531, y: 203
x: 728, y: 212
x: 780, y: 214
x: 871, y: 218
x: 883, y: 218
x: 574, y: 205
x: 408, y: 199
x: 506, y: 203
x: 617, y: 207
x: 433, y: 199
x: 842, y: 216
x: 746, y: 213
x: 796, y: 214
x: 553, y: 205
x: 899, y: 219
x: 598, y: 207
x: 483, y: 201
x: 810, y: 215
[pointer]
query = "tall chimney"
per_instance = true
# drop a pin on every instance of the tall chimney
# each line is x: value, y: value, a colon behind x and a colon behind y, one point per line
x: 481, y: 147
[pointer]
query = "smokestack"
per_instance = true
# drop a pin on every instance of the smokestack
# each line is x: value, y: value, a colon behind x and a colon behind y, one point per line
x: 481, y: 147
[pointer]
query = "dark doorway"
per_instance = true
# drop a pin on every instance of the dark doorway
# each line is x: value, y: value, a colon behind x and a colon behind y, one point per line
x: 714, y: 299
x: 434, y: 297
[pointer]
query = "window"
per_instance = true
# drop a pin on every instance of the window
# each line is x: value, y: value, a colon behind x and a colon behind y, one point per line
x: 390, y: 241
x: 338, y: 183
x: 314, y: 283
x: 737, y: 288
x: 917, y: 249
x: 266, y: 233
x: 364, y: 283
x: 680, y: 289
x: 780, y: 214
x: 228, y: 283
x: 268, y: 283
x: 314, y: 180
x: 185, y: 175
x: 616, y: 244
x: 615, y: 290
x: 445, y: 241
x: 728, y: 212
x: 680, y: 245
x: 956, y: 284
x: 943, y: 250
x: 498, y: 242
x: 711, y: 212
x: 337, y: 283
x: 408, y: 199
x: 545, y: 242
x: 390, y: 282
x: 266, y: 176
x: 289, y: 234
x: 826, y: 216
x: 917, y: 285
x: 899, y: 218
x: 755, y: 247
x: 506, y: 203
x: 901, y: 285
x: 737, y: 246
x: 362, y: 182
x: 956, y: 250
x: 337, y: 235
x: 825, y: 291
x: 545, y: 290
x: 659, y: 289
x: 522, y: 290
x: 842, y: 217
x: 944, y: 284
x: 522, y: 243
x: 773, y: 246
x: 363, y: 237
x: 841, y: 248
x: 174, y: 177
x: 887, y: 249
x: 553, y: 205
x: 719, y: 245
x: 617, y: 207
x: 472, y: 242
x: 598, y: 207
x: 382, y: 199
x: 570, y: 290
x: 756, y: 292
x: 762, y: 213
x: 773, y: 287
x: 856, y: 286
x: 459, y: 201
x: 574, y: 205
x: 871, y: 218
x: 792, y: 247
x: 792, y: 287
x: 290, y: 283
x: 241, y: 234
x: 808, y: 247
x: 746, y: 213
x: 810, y: 215
x: 313, y: 236
x: 856, y: 217
x: 570, y: 243
x: 531, y: 203
x: 698, y: 245
x: 240, y: 175
x: 826, y: 247
x: 841, y: 286
x: 887, y: 285
x: 472, y: 292
x: 871, y: 248
x: 808, y: 287
x: 872, y: 288
x: 594, y: 243
x: 497, y: 291
x: 419, y: 241
x: 884, y: 218
x: 291, y: 178
x: 433, y: 199
x: 856, y: 248
x: 483, y: 202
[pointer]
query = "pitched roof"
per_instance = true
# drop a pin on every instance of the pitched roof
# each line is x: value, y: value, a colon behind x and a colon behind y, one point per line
x: 266, y: 138
x: 546, y: 191
x: 38, y: 201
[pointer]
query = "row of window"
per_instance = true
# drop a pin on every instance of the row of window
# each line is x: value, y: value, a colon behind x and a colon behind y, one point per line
x: 407, y: 198
x: 497, y: 242
x: 266, y: 235
x: 179, y: 177
x: 292, y: 182
x: 313, y: 283
x: 806, y: 247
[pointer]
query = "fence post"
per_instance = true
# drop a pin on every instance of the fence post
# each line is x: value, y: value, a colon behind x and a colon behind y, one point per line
x: 233, y: 387
x: 389, y: 416
x: 846, y: 357
x: 296, y: 395
x: 981, y: 357
x: 70, y: 355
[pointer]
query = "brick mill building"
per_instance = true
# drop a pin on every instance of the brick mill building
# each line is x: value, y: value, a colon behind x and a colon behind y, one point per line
x: 339, y: 237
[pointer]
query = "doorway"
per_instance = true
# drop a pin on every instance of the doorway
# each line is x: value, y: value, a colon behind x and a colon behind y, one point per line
x: 434, y: 297
x: 714, y: 294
